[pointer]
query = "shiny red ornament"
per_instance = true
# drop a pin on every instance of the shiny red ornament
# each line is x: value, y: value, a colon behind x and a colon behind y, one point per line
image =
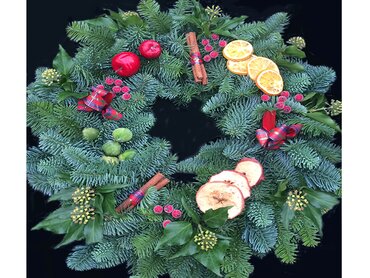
x: 150, y: 49
x: 126, y: 64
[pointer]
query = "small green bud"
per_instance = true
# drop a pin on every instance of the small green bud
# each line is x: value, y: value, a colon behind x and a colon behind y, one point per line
x: 122, y: 134
x: 110, y: 160
x: 126, y: 155
x: 90, y: 133
x: 111, y: 148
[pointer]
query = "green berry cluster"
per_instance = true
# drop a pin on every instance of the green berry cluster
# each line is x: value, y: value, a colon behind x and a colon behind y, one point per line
x: 213, y: 11
x: 82, y: 214
x: 83, y: 211
x: 206, y: 240
x: 83, y: 195
x: 50, y: 76
x: 112, y: 149
x: 128, y: 14
x: 297, y: 200
x: 335, y: 108
x: 298, y: 42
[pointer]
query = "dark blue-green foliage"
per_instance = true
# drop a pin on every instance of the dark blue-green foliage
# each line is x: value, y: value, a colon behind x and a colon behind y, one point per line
x: 64, y: 159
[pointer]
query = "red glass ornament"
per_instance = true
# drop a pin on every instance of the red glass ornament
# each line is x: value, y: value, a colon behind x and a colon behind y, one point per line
x: 126, y: 64
x: 150, y: 49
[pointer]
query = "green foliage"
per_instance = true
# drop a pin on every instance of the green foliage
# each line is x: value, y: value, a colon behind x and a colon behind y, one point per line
x: 238, y: 122
x: 80, y: 258
x: 326, y: 177
x: 158, y: 22
x: 216, y: 218
x: 286, y: 246
x: 260, y: 214
x: 302, y: 155
x: 321, y: 78
x: 236, y: 263
x: 311, y: 127
x: 277, y: 23
x: 296, y: 82
x: 91, y: 35
x: 307, y: 231
x: 176, y: 233
x: 213, y: 259
x: 261, y: 240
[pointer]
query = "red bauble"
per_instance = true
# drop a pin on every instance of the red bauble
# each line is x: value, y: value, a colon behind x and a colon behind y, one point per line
x: 126, y: 64
x: 150, y: 49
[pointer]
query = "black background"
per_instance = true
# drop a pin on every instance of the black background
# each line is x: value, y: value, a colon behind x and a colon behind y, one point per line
x: 319, y: 22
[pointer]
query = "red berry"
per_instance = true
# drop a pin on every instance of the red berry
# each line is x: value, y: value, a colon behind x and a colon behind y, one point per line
x: 150, y: 49
x: 168, y: 208
x: 125, y: 64
x: 213, y: 54
x: 125, y: 89
x: 282, y: 99
x: 126, y: 96
x: 280, y: 105
x: 285, y: 94
x: 176, y: 213
x: 205, y: 42
x: 215, y: 37
x: 165, y: 223
x: 207, y: 58
x: 299, y: 97
x: 222, y: 43
x: 100, y: 87
x: 287, y: 109
x: 158, y: 209
x: 118, y: 82
x: 265, y: 98
x: 208, y: 48
x: 116, y: 89
x: 109, y: 80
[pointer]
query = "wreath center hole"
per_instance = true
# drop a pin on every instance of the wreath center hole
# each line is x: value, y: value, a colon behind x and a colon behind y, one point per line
x: 187, y: 128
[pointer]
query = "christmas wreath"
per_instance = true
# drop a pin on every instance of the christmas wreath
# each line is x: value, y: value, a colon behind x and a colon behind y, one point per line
x: 261, y: 188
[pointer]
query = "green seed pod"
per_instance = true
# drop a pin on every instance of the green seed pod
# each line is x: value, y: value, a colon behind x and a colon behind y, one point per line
x: 90, y: 133
x: 110, y: 160
x: 111, y: 148
x: 122, y: 134
x: 126, y: 155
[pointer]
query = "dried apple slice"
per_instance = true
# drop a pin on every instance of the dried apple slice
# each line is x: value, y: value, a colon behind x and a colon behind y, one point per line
x: 252, y: 169
x: 234, y: 178
x: 214, y: 195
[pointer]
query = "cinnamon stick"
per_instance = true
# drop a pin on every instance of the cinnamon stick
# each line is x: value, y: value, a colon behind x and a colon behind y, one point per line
x: 158, y: 180
x: 195, y: 53
x: 153, y: 181
x: 205, y: 77
x: 162, y: 183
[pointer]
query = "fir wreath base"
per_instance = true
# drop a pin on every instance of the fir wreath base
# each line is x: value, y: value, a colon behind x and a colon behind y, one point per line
x: 65, y: 161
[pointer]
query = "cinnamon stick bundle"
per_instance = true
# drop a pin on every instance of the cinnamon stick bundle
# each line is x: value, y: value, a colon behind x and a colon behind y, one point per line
x: 199, y: 71
x: 158, y: 181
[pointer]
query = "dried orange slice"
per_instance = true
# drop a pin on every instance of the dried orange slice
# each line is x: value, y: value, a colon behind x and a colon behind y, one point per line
x: 238, y: 50
x: 260, y: 64
x: 239, y: 68
x: 270, y: 82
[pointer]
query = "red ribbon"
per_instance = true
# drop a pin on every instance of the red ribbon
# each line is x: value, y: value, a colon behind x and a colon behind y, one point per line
x: 99, y: 100
x: 271, y: 137
x: 196, y: 58
x: 136, y: 197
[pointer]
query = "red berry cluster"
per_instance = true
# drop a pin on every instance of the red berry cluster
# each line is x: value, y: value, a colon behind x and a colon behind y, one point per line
x: 282, y: 99
x: 169, y: 209
x: 117, y: 87
x: 212, y: 47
